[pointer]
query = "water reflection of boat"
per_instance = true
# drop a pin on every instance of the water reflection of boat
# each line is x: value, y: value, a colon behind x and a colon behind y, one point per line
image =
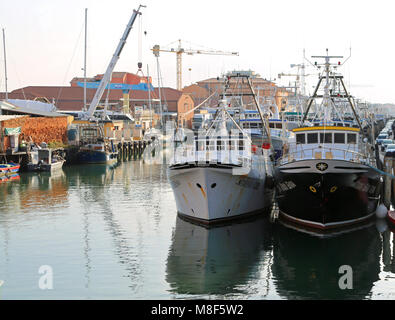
x: 99, y: 173
x: 215, y: 260
x: 9, y: 177
x: 307, y: 267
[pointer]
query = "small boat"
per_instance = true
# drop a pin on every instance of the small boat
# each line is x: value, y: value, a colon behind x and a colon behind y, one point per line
x: 99, y: 152
x: 45, y: 159
x: 9, y: 168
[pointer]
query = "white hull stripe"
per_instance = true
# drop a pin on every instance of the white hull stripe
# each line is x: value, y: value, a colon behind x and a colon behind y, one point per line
x: 325, y: 225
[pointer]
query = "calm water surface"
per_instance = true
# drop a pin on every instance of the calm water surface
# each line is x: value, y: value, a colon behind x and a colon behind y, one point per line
x: 114, y: 234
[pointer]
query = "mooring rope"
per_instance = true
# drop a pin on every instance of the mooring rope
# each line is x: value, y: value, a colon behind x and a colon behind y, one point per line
x: 381, y: 172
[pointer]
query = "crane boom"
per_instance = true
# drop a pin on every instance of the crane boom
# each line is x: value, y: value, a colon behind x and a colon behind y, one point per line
x: 107, y: 75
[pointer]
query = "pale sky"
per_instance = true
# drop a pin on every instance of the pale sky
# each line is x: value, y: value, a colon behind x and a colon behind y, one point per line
x: 45, y: 39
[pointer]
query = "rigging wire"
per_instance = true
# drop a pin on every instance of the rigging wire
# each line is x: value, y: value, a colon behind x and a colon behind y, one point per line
x: 71, y: 60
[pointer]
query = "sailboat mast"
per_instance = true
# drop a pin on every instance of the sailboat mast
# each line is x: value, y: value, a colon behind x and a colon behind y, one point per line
x: 5, y: 67
x: 86, y: 20
x: 160, y: 98
x: 149, y: 97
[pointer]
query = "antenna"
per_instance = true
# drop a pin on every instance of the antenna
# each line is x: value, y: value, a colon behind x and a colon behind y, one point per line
x: 347, y: 57
x: 304, y: 56
x: 5, y: 67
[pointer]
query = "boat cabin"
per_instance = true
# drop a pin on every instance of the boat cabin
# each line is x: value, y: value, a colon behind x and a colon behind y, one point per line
x: 214, y: 149
x: 325, y: 142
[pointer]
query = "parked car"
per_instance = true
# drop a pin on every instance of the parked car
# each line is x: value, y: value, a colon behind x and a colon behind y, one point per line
x: 390, y: 150
x: 387, y: 131
x: 381, y: 137
x: 385, y: 142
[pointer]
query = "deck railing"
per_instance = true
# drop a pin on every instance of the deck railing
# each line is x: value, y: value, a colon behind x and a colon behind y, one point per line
x: 207, y: 151
x: 354, y: 153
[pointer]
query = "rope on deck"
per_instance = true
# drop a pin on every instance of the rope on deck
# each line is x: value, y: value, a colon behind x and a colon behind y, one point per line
x: 382, y: 172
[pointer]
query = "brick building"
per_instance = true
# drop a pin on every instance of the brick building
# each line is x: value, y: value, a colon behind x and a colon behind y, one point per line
x: 265, y: 90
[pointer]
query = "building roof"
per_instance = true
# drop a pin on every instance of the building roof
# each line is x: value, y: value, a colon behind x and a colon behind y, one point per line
x: 196, y: 92
x: 71, y: 98
x: 17, y: 95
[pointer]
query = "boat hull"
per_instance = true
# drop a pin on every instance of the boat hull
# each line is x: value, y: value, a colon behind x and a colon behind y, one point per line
x: 327, y: 194
x: 54, y: 166
x: 92, y: 156
x: 210, y: 195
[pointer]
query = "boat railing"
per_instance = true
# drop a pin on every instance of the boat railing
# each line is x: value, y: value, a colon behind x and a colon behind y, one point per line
x: 297, y: 152
x: 209, y: 151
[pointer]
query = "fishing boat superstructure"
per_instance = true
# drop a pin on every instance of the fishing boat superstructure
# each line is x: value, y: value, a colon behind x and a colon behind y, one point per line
x: 331, y: 166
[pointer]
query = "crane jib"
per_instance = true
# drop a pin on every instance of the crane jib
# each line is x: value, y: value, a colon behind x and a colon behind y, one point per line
x: 107, y: 76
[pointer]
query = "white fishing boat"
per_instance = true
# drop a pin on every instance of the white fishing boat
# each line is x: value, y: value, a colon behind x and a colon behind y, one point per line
x: 220, y: 175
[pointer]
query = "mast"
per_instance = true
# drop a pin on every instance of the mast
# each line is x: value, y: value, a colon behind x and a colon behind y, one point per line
x: 86, y: 20
x: 5, y: 67
x: 156, y: 53
x: 149, y: 97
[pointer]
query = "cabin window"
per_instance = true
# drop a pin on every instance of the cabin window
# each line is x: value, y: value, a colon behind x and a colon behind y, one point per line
x: 241, y: 144
x: 339, y: 138
x: 209, y: 144
x: 271, y: 125
x: 221, y: 145
x: 301, y: 138
x: 312, y: 138
x: 278, y: 126
x: 326, y: 137
x: 351, y: 138
x: 253, y: 125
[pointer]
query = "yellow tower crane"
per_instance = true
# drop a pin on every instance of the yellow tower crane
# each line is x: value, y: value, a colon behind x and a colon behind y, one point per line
x: 179, y: 51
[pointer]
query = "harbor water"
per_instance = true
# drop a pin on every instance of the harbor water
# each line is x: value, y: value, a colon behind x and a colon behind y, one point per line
x: 113, y: 233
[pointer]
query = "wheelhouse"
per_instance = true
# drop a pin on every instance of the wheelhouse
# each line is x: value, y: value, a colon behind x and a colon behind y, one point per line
x: 325, y: 142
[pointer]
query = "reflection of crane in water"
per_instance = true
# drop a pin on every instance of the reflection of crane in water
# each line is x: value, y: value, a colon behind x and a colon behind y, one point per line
x: 125, y: 252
